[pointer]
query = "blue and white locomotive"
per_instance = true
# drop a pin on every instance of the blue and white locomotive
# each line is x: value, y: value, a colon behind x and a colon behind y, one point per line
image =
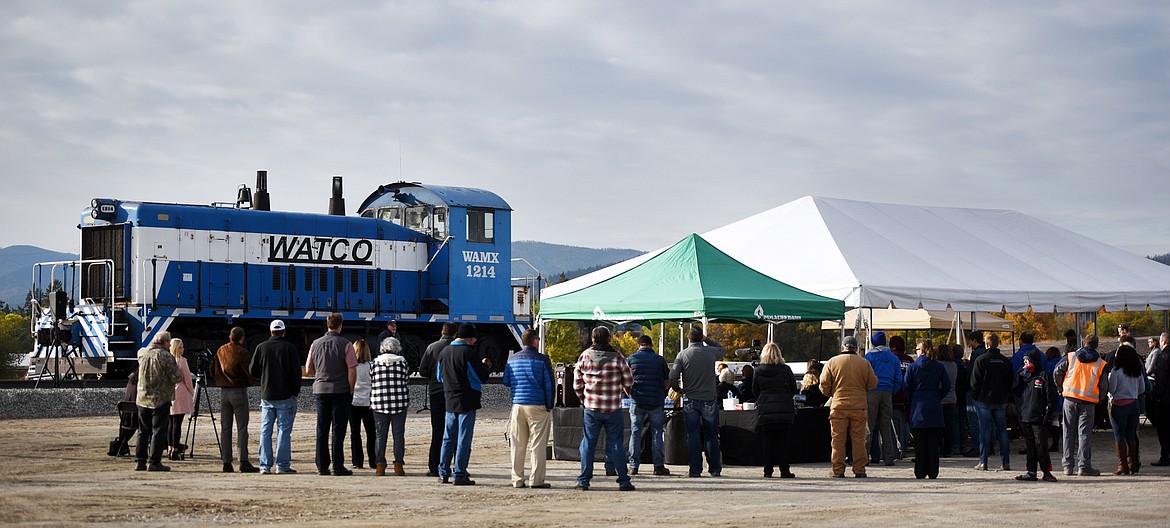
x: 419, y: 254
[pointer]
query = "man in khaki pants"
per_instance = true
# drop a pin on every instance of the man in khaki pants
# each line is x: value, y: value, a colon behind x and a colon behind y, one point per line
x: 846, y: 379
x: 530, y: 376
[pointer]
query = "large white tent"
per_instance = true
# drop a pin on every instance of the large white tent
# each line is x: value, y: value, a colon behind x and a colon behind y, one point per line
x: 904, y: 256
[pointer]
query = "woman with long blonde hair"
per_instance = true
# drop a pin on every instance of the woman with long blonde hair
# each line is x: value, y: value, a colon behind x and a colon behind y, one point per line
x: 361, y: 415
x: 774, y: 385
x: 184, y: 402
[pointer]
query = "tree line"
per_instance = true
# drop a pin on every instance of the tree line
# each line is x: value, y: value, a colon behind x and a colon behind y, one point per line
x: 564, y: 340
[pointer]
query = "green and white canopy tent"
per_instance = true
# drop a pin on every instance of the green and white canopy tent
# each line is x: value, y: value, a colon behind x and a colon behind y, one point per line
x: 689, y: 281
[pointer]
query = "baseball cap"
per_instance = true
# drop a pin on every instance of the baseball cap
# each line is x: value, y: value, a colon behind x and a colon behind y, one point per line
x: 276, y: 325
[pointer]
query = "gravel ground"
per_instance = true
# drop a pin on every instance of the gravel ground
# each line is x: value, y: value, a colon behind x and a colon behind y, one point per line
x: 63, y: 403
x: 55, y: 472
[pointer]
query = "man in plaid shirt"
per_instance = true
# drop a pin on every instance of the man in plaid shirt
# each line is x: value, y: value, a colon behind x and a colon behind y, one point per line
x: 598, y: 379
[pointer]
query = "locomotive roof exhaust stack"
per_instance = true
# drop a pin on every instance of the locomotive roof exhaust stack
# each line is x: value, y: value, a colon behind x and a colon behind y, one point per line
x: 261, y: 198
x: 336, y: 202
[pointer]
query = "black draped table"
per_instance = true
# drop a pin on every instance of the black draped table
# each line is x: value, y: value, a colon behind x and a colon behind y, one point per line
x: 808, y: 439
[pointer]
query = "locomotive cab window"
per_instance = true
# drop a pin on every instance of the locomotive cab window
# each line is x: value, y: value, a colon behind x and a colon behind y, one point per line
x: 418, y: 218
x: 439, y: 217
x: 480, y: 225
x: 390, y: 214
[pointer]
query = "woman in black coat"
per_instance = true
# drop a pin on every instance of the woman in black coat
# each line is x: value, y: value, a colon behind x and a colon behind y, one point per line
x: 774, y: 385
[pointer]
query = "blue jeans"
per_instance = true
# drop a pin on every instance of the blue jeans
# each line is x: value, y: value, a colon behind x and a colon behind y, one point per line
x: 992, y: 421
x: 973, y: 421
x: 458, y: 428
x: 1124, y: 419
x: 386, y: 424
x: 615, y: 451
x: 282, y: 413
x: 961, y: 418
x: 638, y: 416
x: 702, y: 418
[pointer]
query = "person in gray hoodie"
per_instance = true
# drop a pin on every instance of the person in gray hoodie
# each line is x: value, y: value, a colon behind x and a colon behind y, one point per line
x: 1083, y: 377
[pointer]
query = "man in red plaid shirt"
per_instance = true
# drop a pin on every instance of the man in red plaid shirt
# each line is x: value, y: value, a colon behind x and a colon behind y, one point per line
x: 599, y: 378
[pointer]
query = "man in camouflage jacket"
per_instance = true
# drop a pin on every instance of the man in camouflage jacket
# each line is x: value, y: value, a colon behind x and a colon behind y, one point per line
x: 157, y: 375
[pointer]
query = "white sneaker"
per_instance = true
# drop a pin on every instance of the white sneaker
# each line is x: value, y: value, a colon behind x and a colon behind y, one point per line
x: 265, y: 471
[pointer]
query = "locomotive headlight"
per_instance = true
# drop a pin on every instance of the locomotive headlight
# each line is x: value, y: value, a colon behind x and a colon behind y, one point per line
x: 102, y: 209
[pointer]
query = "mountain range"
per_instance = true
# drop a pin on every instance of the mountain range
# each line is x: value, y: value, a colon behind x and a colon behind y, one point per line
x: 551, y: 259
x: 16, y: 270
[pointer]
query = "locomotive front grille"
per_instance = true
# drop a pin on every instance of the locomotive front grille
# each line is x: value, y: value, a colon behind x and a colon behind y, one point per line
x: 98, y: 243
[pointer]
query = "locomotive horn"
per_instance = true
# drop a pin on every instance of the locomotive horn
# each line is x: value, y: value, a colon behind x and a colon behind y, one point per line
x: 261, y: 198
x: 336, y: 202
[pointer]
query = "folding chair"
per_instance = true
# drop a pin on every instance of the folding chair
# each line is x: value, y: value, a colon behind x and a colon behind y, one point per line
x: 127, y: 427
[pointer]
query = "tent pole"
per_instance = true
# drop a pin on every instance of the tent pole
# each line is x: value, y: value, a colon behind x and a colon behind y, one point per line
x: 662, y: 339
x: 542, y: 330
x: 771, y: 327
x: 681, y: 337
x: 868, y: 331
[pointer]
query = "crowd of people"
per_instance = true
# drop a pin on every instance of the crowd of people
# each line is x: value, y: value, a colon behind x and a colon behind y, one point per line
x: 879, y: 402
x: 1054, y: 394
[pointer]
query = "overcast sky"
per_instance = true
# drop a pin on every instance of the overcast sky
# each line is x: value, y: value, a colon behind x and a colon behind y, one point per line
x: 603, y: 124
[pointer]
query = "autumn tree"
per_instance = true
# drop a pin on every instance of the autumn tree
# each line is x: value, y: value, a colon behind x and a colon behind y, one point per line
x: 562, y: 341
x: 15, y: 340
x: 1141, y: 323
x: 1043, y: 325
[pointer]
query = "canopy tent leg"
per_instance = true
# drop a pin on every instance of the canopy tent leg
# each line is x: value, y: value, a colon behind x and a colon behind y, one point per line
x: 682, y: 336
x: 542, y: 329
x: 857, y: 323
x: 973, y: 324
x: 662, y: 339
x: 771, y: 333
x: 868, y: 332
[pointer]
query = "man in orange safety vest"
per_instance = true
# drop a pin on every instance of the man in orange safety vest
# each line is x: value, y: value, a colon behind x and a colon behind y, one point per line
x: 1083, y: 376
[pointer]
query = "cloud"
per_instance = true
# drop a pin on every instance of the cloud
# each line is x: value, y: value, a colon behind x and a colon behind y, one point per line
x: 666, y: 117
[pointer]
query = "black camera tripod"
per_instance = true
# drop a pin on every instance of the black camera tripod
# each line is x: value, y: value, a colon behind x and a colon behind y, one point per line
x: 201, y: 397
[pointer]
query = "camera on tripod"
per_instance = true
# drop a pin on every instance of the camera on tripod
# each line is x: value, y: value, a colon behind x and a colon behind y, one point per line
x: 200, y: 361
x: 751, y: 353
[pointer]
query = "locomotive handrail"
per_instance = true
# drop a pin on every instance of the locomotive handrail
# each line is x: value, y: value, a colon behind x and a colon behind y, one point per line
x: 107, y: 300
x: 437, y: 251
x: 153, y: 262
x: 526, y: 277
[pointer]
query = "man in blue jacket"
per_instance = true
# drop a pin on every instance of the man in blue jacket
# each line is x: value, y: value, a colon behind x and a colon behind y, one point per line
x: 651, y: 378
x: 888, y: 369
x: 461, y: 370
x: 530, y: 376
x: 1027, y: 344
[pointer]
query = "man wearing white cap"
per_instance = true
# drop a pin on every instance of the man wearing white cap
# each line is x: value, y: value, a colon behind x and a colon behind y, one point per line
x: 278, y: 366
